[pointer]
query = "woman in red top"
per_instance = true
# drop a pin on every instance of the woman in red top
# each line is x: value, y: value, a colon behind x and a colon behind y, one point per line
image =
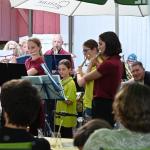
x: 33, y: 64
x: 107, y: 76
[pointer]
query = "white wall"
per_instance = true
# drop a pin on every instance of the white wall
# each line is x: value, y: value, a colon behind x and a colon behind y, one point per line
x: 46, y: 41
x: 134, y: 34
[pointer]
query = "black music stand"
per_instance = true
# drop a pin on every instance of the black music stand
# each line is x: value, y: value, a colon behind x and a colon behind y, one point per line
x: 11, y: 71
x: 53, y: 60
x: 50, y: 94
x: 46, y: 86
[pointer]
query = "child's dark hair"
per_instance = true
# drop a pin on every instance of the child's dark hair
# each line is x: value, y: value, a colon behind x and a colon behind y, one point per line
x: 21, y: 101
x: 91, y: 44
x: 83, y: 133
x: 65, y: 62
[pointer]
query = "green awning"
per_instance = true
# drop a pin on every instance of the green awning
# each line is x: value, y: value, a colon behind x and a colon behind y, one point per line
x: 100, y: 2
x: 122, y: 2
x: 132, y: 2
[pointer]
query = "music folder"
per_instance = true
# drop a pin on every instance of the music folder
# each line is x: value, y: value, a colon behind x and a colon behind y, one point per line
x: 22, y: 59
x: 11, y: 71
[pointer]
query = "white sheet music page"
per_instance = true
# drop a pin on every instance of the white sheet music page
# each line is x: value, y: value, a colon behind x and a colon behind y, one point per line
x: 6, y: 54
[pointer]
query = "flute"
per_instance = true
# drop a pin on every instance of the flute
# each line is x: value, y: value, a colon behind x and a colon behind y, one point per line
x: 83, y: 62
x: 80, y: 67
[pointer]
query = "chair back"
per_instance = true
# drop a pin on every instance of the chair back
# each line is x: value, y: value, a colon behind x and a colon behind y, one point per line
x: 16, y: 146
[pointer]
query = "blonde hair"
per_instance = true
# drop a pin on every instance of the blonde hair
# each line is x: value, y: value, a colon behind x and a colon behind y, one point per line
x: 17, y: 47
x: 21, y: 43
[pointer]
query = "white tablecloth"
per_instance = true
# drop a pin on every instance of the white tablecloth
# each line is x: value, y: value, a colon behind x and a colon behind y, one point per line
x: 61, y: 143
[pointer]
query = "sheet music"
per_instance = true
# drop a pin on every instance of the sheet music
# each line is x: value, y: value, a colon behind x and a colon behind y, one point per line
x: 60, y: 93
x: 5, y: 53
x: 44, y: 66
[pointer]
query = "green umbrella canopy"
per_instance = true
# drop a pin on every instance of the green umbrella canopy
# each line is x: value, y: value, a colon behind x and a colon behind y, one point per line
x: 100, y: 2
x: 85, y: 7
x: 132, y: 2
x: 123, y: 2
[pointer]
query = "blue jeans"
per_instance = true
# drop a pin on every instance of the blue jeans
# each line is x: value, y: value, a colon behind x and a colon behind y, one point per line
x: 87, y: 114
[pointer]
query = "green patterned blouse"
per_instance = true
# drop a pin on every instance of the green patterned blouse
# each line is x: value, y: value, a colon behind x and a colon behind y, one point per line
x: 121, y: 139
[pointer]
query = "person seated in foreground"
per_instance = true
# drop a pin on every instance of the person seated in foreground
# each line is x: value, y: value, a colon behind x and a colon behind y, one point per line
x: 83, y: 133
x: 20, y: 103
x: 131, y: 109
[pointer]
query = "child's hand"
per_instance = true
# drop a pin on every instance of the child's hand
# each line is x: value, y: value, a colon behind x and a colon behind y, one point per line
x: 68, y: 102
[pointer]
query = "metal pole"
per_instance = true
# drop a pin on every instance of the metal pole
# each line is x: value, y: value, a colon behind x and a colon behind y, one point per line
x: 71, y: 32
x: 117, y: 18
x: 30, y: 25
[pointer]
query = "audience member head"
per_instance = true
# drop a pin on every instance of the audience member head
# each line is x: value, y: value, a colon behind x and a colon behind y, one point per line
x: 131, y: 107
x: 20, y: 103
x: 57, y: 42
x: 14, y: 46
x: 109, y: 44
x: 34, y: 46
x: 83, y: 133
x: 138, y: 71
x: 90, y: 48
x: 131, y: 59
x: 24, y: 47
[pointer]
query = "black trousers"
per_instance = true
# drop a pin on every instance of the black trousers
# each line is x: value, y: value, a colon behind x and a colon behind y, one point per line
x: 102, y: 108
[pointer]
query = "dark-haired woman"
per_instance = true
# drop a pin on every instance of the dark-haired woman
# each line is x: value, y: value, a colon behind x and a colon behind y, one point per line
x: 107, y: 76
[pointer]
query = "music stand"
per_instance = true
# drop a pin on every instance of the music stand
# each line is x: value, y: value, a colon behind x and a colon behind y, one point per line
x: 45, y: 86
x: 53, y: 60
x: 47, y: 92
x: 11, y: 71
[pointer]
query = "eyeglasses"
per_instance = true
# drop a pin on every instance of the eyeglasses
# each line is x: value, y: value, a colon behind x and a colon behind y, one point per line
x: 12, y: 48
x: 86, y: 49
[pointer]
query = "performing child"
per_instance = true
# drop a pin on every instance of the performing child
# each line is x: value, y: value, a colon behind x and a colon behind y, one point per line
x: 33, y: 64
x: 68, y: 106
